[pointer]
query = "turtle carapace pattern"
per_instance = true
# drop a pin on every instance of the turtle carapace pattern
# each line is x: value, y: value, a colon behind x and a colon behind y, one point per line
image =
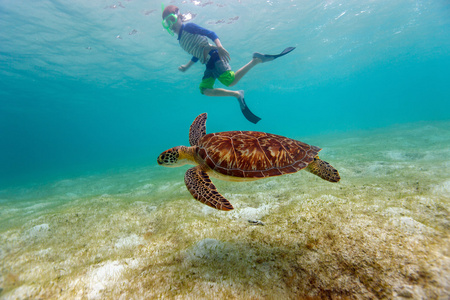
x: 240, y: 156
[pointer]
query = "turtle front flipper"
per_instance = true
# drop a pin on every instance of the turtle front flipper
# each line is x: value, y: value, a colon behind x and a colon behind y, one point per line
x: 200, y: 186
x: 197, y: 129
x: 324, y: 170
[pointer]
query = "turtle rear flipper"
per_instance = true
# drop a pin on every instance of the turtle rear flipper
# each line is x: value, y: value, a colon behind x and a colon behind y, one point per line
x: 324, y: 170
x: 201, y: 188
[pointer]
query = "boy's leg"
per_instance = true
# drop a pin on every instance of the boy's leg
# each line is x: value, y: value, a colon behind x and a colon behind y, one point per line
x: 240, y: 96
x: 242, y: 71
x: 207, y: 88
x: 227, y: 77
x: 220, y: 93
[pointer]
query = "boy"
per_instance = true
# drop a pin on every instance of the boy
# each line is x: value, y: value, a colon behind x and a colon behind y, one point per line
x: 193, y: 39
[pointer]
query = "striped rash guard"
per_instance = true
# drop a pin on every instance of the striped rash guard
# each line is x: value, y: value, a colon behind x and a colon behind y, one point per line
x: 193, y: 39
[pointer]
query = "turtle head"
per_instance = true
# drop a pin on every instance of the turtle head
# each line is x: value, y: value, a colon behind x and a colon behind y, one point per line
x: 174, y: 157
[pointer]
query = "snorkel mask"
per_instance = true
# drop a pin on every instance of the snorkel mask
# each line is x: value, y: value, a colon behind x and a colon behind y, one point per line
x: 168, y: 22
x: 170, y: 19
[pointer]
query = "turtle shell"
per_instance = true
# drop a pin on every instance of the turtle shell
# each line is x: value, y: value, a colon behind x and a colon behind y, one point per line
x: 251, y: 154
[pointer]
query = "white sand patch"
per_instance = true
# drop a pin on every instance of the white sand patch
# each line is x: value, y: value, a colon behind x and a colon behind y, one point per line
x: 72, y: 195
x: 409, y: 225
x: 409, y: 291
x: 150, y: 208
x: 22, y: 292
x: 9, y: 211
x: 64, y: 183
x: 381, y: 168
x: 44, y: 252
x: 104, y: 276
x: 169, y: 186
x: 329, y: 198
x: 269, y: 185
x: 239, y: 212
x: 38, y: 231
x: 426, y: 201
x: 252, y: 213
x: 144, y: 190
x: 207, y: 210
x: 442, y: 189
x: 129, y: 241
x: 148, y: 186
x: 443, y: 273
x: 395, y: 155
x: 396, y: 211
x: 36, y: 207
x: 375, y: 167
x: 108, y: 275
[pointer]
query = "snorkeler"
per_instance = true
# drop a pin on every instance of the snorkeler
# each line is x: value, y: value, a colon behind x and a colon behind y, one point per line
x: 194, y: 40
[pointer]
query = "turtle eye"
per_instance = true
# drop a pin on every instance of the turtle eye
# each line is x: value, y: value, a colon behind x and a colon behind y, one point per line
x: 163, y: 158
x: 160, y: 159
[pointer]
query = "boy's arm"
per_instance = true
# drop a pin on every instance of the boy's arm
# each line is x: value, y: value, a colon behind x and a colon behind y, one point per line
x: 183, y: 68
x: 194, y: 28
x: 224, y: 55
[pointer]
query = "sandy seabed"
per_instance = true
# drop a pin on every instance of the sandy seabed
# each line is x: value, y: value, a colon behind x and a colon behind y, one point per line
x: 380, y: 233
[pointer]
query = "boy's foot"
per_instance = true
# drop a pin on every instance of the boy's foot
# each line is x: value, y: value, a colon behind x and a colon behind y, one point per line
x: 241, y: 100
x: 264, y: 58
x: 245, y: 110
x: 269, y: 57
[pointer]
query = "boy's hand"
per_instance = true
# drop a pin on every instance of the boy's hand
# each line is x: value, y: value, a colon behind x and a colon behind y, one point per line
x: 183, y: 68
x: 223, y: 54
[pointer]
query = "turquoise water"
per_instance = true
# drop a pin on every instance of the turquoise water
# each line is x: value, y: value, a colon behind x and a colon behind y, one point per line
x: 90, y: 95
x: 91, y: 85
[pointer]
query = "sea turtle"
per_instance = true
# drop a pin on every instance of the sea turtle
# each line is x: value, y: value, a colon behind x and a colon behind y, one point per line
x: 240, y: 156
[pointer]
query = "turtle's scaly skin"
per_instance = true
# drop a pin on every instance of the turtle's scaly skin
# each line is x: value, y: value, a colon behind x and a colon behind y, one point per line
x: 201, y: 188
x: 240, y: 156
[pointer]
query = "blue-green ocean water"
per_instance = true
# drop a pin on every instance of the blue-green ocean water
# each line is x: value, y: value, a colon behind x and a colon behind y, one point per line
x: 90, y: 94
x: 87, y: 86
